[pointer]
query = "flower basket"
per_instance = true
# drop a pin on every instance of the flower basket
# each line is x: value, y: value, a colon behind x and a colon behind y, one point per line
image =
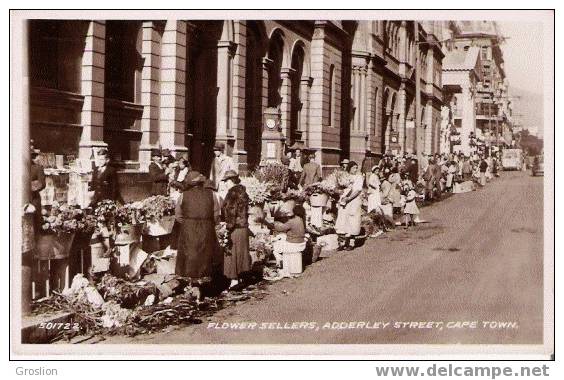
x: 162, y: 226
x: 53, y: 246
x: 318, y: 200
x: 134, y: 231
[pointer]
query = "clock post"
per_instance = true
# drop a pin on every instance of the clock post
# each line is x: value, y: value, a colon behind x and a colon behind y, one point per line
x: 272, y: 137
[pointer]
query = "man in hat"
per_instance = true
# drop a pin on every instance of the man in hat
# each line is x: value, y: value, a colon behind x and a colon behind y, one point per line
x: 311, y: 172
x: 158, y: 174
x: 345, y: 164
x: 104, y: 180
x: 222, y: 163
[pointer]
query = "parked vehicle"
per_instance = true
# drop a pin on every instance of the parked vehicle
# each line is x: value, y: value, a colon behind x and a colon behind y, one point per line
x: 538, y: 166
x: 512, y: 159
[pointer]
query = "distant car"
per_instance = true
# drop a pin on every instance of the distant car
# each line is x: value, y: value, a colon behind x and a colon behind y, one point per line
x: 538, y: 166
x: 512, y: 159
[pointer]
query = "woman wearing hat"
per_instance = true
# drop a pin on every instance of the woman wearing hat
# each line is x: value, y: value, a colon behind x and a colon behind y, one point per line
x: 235, y: 213
x: 198, y: 248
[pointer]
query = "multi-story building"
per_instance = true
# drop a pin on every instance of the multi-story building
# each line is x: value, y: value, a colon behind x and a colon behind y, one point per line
x: 476, y: 52
x: 343, y: 89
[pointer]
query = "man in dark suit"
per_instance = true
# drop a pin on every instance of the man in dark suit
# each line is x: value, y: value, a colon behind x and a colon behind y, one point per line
x: 104, y: 180
x: 158, y: 174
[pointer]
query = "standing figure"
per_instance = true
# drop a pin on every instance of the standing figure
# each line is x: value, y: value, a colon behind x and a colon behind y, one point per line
x: 296, y: 169
x: 483, y: 169
x: 158, y: 174
x: 311, y: 172
x: 235, y: 213
x: 104, y: 183
x: 222, y: 163
x: 373, y: 184
x: 198, y: 248
x: 349, y: 208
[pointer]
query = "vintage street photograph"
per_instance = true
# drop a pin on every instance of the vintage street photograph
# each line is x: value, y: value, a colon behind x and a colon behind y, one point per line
x: 367, y: 180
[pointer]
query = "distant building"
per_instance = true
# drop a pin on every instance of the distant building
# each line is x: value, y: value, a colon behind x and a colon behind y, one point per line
x: 474, y: 76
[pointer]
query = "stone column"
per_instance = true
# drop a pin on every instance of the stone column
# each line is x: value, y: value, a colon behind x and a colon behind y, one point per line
x: 150, y: 91
x: 305, y: 84
x: 286, y: 104
x: 428, y: 127
x: 225, y: 53
x: 173, y: 87
x: 388, y: 126
x: 402, y: 116
x: 358, y: 123
x: 92, y: 85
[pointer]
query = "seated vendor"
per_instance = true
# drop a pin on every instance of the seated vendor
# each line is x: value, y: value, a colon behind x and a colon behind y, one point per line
x: 292, y: 233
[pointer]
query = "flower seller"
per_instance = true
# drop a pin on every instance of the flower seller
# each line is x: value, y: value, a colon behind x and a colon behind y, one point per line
x: 235, y: 213
x: 197, y: 243
x: 350, y: 208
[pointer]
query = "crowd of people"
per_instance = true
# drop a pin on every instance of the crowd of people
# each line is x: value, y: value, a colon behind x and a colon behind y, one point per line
x: 394, y: 185
x: 389, y: 190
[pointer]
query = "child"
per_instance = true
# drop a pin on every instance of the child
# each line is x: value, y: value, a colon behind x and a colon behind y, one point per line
x: 411, y: 211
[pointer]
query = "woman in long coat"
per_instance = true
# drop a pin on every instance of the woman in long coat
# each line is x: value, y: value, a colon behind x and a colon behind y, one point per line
x: 235, y: 213
x: 198, y: 247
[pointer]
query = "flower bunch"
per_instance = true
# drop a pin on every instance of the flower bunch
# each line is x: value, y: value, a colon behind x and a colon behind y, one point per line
x: 66, y: 219
x: 260, y: 243
x: 275, y: 174
x: 156, y: 207
x: 223, y: 237
x: 339, y: 179
x: 293, y: 194
x: 257, y: 191
x: 130, y: 213
x: 323, y: 187
x: 105, y: 212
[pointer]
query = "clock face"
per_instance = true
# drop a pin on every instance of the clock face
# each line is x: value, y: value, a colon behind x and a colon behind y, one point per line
x: 270, y: 123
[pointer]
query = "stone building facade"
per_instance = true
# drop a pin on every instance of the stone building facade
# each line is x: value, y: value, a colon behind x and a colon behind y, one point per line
x: 345, y: 89
x: 474, y: 63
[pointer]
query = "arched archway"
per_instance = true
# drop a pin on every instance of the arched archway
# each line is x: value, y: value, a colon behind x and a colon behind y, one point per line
x: 202, y: 92
x: 276, y: 57
x: 296, y: 103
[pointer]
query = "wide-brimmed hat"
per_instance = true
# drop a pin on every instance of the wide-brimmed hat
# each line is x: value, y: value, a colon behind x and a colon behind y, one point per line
x: 156, y: 153
x: 194, y: 178
x: 219, y: 146
x: 374, y: 168
x: 230, y: 174
x: 345, y: 161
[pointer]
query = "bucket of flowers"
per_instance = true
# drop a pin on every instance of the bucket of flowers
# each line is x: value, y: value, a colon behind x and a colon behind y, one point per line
x: 258, y: 194
x: 130, y: 220
x: 59, y: 226
x: 158, y: 212
x: 319, y: 193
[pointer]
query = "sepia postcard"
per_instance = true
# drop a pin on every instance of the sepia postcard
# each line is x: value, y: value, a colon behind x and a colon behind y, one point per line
x: 211, y: 184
